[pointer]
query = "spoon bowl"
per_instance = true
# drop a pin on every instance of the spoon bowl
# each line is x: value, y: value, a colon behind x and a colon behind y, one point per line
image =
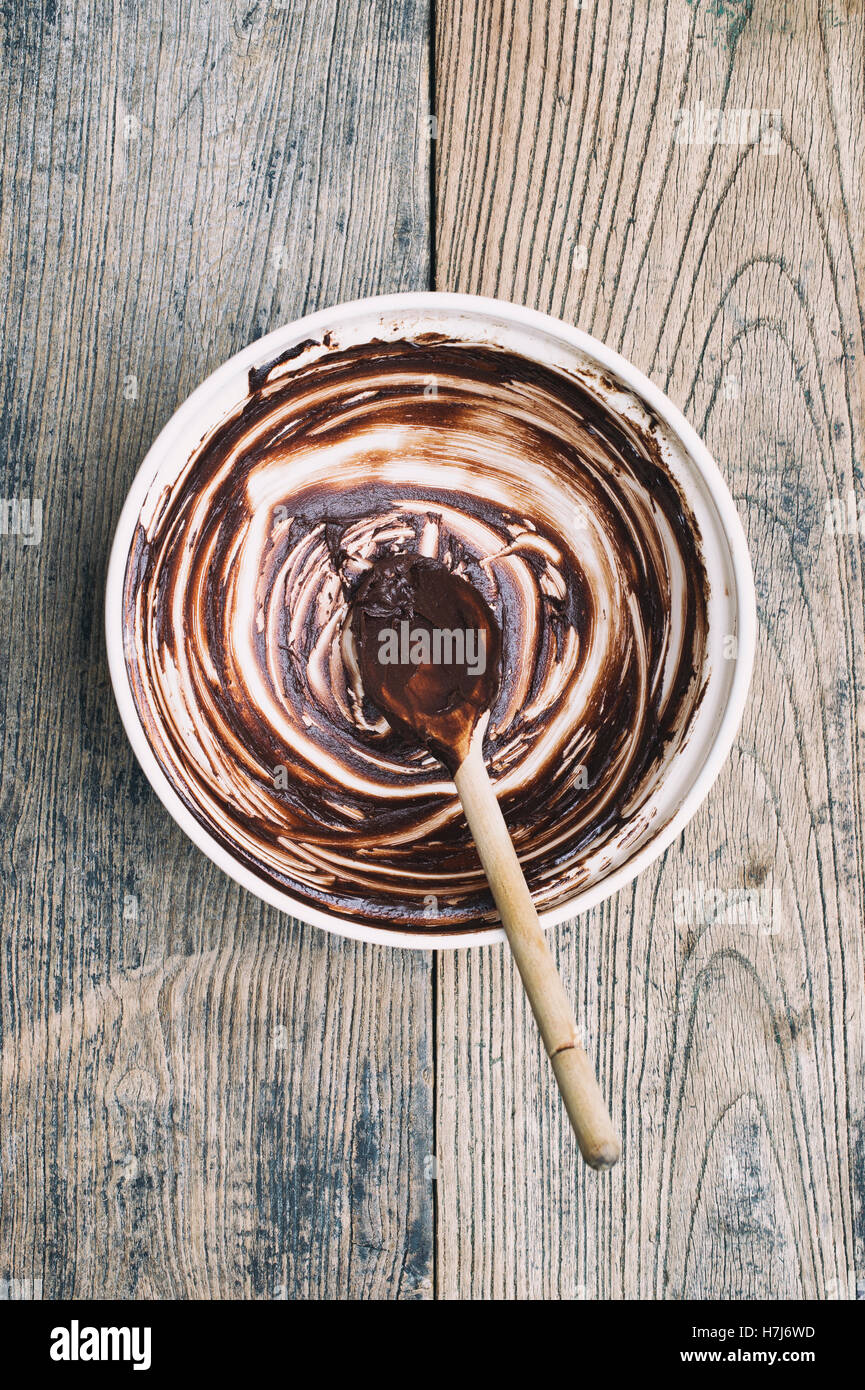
x: 429, y: 651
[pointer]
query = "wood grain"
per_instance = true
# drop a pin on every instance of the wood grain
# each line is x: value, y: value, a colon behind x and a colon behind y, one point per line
x: 199, y: 1098
x: 728, y: 1031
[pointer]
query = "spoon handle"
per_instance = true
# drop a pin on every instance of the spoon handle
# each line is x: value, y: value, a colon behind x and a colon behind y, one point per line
x: 587, y: 1110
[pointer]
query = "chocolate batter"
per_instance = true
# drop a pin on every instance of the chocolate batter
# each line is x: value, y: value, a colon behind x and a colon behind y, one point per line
x: 446, y: 667
x: 514, y: 477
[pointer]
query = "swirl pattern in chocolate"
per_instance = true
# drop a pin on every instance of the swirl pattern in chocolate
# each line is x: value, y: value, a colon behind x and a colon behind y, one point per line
x: 565, y: 518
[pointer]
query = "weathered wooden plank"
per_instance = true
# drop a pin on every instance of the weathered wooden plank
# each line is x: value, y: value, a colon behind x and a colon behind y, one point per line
x: 733, y: 274
x: 199, y: 1098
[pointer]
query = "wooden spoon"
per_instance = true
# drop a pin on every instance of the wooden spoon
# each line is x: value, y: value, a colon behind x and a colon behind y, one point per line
x: 408, y: 615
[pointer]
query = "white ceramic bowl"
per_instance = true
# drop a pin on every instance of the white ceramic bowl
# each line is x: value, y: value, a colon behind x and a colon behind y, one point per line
x: 731, y: 605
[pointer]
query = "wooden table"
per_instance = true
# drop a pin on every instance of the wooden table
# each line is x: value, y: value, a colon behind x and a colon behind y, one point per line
x: 200, y: 1098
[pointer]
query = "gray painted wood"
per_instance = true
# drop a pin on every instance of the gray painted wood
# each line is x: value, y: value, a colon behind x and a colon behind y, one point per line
x: 199, y: 1098
x: 732, y: 1050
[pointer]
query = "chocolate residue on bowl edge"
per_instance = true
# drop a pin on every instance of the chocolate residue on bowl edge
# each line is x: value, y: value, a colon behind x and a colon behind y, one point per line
x: 560, y: 514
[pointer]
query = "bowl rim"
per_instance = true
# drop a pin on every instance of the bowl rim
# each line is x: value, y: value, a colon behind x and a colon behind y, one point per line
x: 312, y: 325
